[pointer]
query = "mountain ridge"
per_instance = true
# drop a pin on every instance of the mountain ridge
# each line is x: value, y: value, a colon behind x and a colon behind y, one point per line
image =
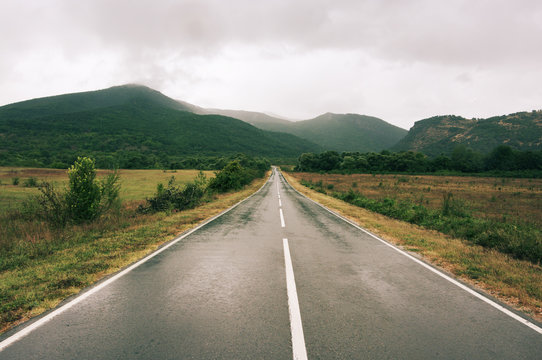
x: 137, y: 119
x: 95, y: 99
x: 133, y: 125
x: 441, y: 134
x: 339, y: 132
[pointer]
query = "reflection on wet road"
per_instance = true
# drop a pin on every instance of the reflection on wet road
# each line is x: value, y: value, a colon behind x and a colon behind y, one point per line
x: 222, y: 292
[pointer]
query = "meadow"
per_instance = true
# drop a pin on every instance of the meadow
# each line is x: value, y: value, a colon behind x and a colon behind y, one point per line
x: 136, y: 185
x: 508, y: 199
x: 41, y: 265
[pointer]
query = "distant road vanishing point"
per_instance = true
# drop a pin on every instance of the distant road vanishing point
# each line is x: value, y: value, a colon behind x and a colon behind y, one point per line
x: 277, y: 277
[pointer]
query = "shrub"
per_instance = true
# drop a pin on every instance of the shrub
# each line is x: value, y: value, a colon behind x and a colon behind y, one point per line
x: 86, y: 198
x: 174, y: 197
x: 15, y: 181
x: 84, y: 195
x: 52, y: 205
x: 31, y: 182
x: 454, y: 218
x: 232, y: 177
x: 110, y: 190
x: 453, y: 207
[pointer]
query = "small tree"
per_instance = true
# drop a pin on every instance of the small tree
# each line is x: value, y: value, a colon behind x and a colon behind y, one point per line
x: 176, y: 197
x: 86, y: 198
x: 84, y: 195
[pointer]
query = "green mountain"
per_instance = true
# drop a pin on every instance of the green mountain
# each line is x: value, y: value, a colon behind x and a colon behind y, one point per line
x: 441, y: 134
x: 87, y: 101
x: 340, y: 132
x: 349, y: 132
x: 131, y: 125
x: 258, y: 119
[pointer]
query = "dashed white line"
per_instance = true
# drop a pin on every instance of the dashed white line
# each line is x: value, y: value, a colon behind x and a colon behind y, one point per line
x: 282, y: 219
x: 296, y: 327
x: 280, y: 203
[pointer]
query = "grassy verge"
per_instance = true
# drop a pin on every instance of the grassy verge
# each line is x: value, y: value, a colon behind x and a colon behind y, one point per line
x: 520, y: 239
x: 55, y: 265
x: 515, y: 282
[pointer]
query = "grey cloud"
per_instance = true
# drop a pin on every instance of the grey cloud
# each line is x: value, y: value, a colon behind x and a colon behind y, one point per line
x: 452, y: 32
x: 457, y: 31
x: 371, y: 51
x: 464, y: 77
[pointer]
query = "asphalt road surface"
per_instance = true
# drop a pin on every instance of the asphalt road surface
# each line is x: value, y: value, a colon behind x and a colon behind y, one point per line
x: 228, y: 291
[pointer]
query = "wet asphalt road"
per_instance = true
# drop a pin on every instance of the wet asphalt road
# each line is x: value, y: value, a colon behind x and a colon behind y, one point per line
x: 220, y: 293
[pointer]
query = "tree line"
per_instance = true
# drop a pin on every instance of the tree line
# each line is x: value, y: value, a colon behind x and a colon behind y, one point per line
x: 463, y: 159
x: 137, y: 160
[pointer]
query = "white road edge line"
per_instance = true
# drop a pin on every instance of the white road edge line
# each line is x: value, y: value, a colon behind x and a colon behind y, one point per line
x: 296, y: 327
x: 27, y: 330
x: 439, y: 273
x: 282, y: 219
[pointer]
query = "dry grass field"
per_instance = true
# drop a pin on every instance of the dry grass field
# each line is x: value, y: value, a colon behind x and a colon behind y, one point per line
x: 516, y: 200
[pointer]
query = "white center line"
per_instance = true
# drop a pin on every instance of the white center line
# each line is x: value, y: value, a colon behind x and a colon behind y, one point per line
x: 280, y: 203
x: 282, y: 219
x: 296, y: 327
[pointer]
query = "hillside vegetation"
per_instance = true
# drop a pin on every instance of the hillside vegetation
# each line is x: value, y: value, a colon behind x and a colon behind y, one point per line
x: 133, y: 126
x: 128, y: 127
x: 441, y: 134
x: 86, y: 101
x: 339, y: 132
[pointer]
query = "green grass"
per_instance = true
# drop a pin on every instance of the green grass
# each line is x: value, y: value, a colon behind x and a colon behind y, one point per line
x: 140, y: 184
x: 136, y: 185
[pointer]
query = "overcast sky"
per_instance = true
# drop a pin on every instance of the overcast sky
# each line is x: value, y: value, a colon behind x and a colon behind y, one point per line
x: 399, y: 60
